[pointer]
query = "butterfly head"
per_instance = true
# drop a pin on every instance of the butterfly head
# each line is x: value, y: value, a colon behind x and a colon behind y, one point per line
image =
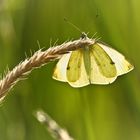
x: 83, y: 35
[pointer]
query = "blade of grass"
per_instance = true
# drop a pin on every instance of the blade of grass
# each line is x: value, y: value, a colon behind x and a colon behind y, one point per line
x: 38, y: 59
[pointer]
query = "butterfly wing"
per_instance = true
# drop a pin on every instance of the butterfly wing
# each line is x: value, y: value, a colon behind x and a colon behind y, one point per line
x: 106, y: 65
x: 103, y: 70
x: 122, y: 65
x: 60, y: 69
x: 76, y: 72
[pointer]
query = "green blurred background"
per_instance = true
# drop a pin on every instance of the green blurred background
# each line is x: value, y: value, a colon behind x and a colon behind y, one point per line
x: 94, y: 112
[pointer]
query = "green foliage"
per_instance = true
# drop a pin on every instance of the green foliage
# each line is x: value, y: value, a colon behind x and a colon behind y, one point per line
x: 94, y: 112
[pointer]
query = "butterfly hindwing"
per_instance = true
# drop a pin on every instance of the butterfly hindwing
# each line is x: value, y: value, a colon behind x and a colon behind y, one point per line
x: 76, y: 72
x: 104, y: 61
x: 103, y: 70
x: 74, y: 66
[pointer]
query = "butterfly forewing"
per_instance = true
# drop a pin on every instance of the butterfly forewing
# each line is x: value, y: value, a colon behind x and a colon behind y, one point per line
x: 60, y: 69
x: 122, y: 65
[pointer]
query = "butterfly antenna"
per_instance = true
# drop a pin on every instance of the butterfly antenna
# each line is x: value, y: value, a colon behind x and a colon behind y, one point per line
x: 97, y: 14
x: 66, y: 20
x: 83, y: 34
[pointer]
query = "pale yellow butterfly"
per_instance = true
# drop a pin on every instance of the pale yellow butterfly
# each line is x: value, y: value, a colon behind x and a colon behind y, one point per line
x: 96, y: 64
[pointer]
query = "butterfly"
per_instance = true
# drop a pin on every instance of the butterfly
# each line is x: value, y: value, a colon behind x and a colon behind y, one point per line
x: 94, y: 64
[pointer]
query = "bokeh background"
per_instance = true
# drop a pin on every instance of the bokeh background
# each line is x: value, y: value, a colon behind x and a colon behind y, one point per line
x: 95, y: 112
